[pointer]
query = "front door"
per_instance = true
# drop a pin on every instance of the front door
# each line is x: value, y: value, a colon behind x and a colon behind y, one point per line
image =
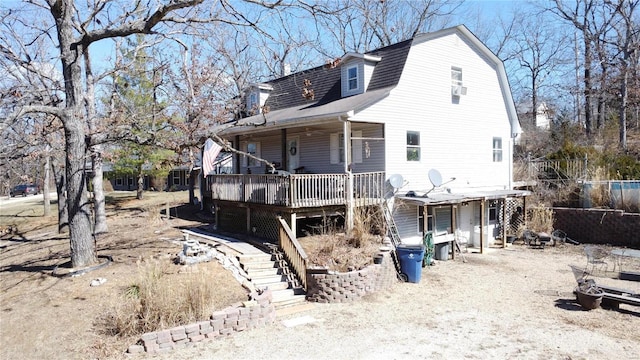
x: 293, y: 153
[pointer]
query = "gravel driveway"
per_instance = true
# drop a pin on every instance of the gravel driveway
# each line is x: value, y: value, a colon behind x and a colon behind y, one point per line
x: 507, y: 303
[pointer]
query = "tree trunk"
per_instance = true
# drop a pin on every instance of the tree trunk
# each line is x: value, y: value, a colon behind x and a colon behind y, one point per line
x: 63, y: 214
x: 82, y: 244
x: 140, y: 188
x: 587, y: 83
x: 46, y: 192
x: 100, y: 221
x: 623, y: 106
x: 100, y: 224
x: 193, y: 177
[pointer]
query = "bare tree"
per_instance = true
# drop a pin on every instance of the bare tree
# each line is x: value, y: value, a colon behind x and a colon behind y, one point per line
x: 539, y: 50
x: 74, y: 30
x: 581, y: 16
x: 628, y: 43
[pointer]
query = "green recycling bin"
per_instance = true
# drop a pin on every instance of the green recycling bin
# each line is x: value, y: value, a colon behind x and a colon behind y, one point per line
x: 410, y: 257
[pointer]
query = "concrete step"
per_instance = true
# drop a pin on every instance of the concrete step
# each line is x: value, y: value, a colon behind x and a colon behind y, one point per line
x: 274, y: 286
x: 291, y: 301
x: 264, y: 272
x: 268, y: 279
x: 249, y: 258
x: 256, y: 265
x: 294, y: 309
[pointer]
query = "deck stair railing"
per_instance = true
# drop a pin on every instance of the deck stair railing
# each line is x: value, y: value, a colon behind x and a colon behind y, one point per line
x: 293, y: 252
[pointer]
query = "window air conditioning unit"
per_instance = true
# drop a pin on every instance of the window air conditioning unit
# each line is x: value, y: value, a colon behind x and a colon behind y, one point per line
x: 457, y: 90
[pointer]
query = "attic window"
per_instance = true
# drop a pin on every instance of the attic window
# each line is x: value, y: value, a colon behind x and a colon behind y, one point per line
x: 456, y: 76
x: 497, y: 149
x: 352, y: 78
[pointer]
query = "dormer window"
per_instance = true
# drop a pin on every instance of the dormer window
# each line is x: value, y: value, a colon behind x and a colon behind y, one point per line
x: 356, y: 71
x: 352, y: 78
x: 252, y: 103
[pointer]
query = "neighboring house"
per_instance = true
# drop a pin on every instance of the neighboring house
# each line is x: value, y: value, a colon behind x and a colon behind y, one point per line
x: 339, y: 132
x: 541, y: 118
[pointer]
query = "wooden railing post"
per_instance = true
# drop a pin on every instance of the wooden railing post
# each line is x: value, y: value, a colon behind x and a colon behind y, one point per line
x: 293, y: 251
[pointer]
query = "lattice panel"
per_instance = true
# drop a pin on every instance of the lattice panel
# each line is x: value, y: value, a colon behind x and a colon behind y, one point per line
x: 512, y: 205
x: 264, y: 224
x: 232, y: 219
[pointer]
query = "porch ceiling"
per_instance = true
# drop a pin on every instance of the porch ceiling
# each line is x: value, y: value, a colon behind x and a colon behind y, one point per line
x: 457, y: 198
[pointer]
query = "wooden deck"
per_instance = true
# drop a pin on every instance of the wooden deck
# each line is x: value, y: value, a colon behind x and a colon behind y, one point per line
x: 299, y: 190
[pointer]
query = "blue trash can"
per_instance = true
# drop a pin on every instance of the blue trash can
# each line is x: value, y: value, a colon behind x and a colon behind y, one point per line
x: 410, y: 257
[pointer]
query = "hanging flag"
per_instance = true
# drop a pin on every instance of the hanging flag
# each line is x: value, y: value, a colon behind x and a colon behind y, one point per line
x: 209, y: 155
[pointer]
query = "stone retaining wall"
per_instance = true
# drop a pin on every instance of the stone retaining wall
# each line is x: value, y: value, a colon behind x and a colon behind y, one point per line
x: 599, y: 226
x: 332, y: 287
x: 257, y: 312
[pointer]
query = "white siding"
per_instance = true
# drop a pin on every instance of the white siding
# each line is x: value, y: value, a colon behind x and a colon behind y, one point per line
x: 455, y: 136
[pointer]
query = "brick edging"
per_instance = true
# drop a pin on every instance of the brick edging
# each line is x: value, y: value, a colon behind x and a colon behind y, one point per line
x: 326, y: 286
x: 259, y: 311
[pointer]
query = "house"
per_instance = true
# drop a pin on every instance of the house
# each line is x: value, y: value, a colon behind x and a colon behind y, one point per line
x: 423, y: 128
x: 540, y: 119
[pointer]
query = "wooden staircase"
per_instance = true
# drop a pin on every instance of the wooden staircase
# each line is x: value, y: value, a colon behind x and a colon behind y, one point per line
x: 263, y: 267
x: 270, y: 271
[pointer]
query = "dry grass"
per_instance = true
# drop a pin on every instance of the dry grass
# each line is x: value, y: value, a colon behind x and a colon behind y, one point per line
x: 540, y: 219
x: 343, y: 252
x: 163, y: 297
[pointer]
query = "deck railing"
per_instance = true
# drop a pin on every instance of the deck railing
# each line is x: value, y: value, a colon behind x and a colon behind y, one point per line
x: 297, y: 190
x: 293, y: 251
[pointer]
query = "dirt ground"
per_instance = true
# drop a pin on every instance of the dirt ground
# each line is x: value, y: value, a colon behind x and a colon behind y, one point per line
x: 506, y: 303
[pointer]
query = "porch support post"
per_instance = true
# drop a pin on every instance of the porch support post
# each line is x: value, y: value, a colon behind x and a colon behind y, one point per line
x: 454, y: 227
x: 236, y: 157
x: 482, y: 205
x: 346, y: 129
x: 283, y: 150
x: 524, y: 211
x: 293, y: 221
x: 248, y: 215
x: 504, y: 223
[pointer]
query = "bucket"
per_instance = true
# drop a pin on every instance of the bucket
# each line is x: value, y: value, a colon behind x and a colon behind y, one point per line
x: 442, y: 251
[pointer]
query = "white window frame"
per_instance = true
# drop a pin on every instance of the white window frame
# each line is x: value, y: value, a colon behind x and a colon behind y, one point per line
x: 249, y: 162
x: 497, y: 149
x: 175, y: 176
x: 355, y: 78
x: 413, y: 147
x: 119, y: 181
x: 336, y: 148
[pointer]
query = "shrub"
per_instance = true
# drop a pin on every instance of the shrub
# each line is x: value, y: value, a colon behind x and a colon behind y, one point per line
x: 540, y: 219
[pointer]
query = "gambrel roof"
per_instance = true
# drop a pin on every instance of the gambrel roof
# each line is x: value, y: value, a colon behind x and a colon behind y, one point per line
x: 286, y: 104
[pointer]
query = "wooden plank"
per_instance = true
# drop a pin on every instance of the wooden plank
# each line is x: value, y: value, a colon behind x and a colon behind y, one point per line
x: 621, y: 299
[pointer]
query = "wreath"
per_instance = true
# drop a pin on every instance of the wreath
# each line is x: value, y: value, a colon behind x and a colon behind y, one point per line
x: 293, y: 150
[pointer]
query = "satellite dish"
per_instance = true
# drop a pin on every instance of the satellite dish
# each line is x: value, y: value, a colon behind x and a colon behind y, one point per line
x: 435, y: 177
x: 396, y: 181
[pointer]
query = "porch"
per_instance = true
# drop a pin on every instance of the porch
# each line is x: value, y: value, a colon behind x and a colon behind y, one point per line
x: 299, y: 191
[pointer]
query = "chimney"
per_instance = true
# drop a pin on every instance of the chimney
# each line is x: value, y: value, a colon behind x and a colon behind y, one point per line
x: 286, y: 69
